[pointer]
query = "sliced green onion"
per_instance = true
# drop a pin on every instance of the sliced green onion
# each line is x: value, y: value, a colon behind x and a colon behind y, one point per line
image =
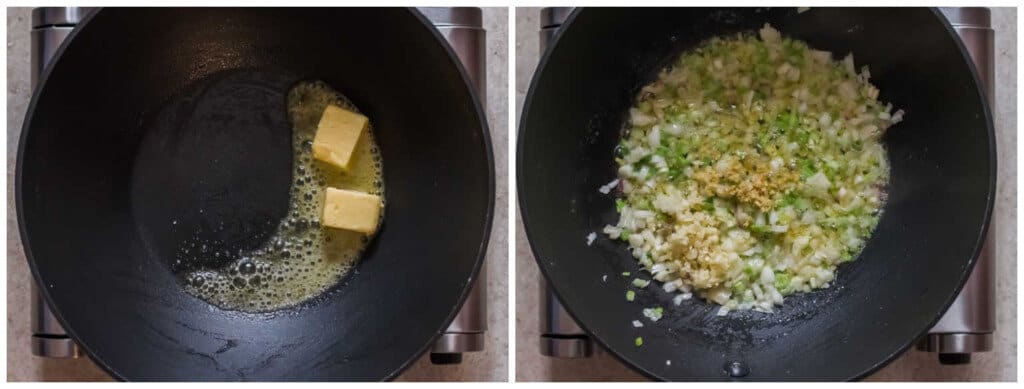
x: 624, y: 236
x: 738, y: 288
x: 782, y: 281
x: 806, y: 168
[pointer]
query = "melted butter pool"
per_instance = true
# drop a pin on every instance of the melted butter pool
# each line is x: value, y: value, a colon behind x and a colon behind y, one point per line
x: 301, y: 259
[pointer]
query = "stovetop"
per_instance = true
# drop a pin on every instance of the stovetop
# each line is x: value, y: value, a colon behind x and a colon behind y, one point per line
x: 967, y: 326
x: 461, y: 27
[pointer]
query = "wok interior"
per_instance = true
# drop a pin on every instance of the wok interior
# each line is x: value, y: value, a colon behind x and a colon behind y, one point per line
x: 939, y: 196
x: 115, y: 292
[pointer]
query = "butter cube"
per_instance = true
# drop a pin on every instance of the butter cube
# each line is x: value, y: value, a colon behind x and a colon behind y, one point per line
x: 351, y: 210
x: 337, y: 135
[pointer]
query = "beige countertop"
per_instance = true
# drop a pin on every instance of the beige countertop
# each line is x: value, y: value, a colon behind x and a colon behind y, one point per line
x: 998, y: 365
x: 489, y: 365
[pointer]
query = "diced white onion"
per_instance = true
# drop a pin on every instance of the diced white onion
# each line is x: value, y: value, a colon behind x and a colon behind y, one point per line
x: 607, y: 188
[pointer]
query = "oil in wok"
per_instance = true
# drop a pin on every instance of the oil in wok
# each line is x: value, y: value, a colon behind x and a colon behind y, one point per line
x: 301, y: 259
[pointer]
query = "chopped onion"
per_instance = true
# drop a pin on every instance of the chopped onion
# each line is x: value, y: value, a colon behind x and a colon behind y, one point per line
x: 653, y: 313
x: 680, y: 297
x: 701, y: 212
x: 607, y: 188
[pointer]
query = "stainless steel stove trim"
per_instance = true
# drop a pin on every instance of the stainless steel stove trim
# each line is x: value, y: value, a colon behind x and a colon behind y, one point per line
x: 59, y: 16
x: 50, y: 26
x: 553, y: 17
x: 555, y: 321
x: 561, y: 336
x: 958, y: 343
x: 462, y: 27
x: 466, y: 17
x: 45, y: 41
x: 62, y: 347
x: 979, y: 17
x: 967, y: 325
x: 569, y: 348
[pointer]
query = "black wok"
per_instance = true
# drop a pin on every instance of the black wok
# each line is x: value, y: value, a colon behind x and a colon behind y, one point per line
x: 98, y: 236
x: 940, y: 196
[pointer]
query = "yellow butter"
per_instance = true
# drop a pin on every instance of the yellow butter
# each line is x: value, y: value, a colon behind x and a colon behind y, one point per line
x: 351, y: 210
x: 337, y: 135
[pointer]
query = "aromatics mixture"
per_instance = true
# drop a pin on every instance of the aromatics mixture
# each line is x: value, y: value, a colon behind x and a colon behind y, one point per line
x: 751, y: 169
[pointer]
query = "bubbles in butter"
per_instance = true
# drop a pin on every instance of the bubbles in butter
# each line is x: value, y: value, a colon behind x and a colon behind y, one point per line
x: 301, y: 259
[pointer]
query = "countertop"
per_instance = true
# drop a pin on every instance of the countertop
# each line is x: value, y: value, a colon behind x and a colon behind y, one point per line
x: 489, y: 365
x: 998, y: 365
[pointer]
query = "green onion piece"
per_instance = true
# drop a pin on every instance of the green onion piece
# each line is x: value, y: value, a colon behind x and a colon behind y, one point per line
x: 626, y: 273
x: 619, y: 204
x: 639, y: 341
x: 709, y: 204
x: 646, y: 204
x: 786, y: 121
x: 806, y: 168
x: 788, y: 200
x: 802, y: 137
x: 739, y: 287
x: 630, y: 295
x: 682, y: 162
x: 802, y: 204
x: 782, y: 281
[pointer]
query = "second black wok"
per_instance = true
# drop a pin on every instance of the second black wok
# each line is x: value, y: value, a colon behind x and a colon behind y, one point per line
x: 942, y: 159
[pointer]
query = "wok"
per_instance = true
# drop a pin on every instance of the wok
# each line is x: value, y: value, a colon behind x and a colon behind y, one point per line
x: 95, y: 206
x: 939, y: 197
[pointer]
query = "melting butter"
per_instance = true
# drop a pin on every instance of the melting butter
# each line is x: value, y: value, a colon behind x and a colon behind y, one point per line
x: 301, y: 260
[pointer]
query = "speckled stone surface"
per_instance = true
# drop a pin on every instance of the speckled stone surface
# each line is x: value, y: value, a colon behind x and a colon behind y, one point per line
x: 489, y: 365
x: 998, y: 365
